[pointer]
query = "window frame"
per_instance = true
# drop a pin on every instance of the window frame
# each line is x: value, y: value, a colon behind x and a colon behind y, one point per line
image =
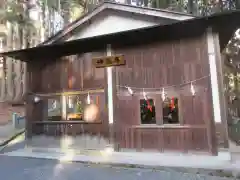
x: 158, y: 102
x: 83, y: 96
x: 53, y: 97
x: 179, y: 113
x: 140, y: 111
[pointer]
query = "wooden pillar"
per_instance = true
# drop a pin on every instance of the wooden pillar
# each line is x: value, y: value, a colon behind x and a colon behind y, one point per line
x: 222, y: 99
x: 111, y: 95
x: 214, y: 81
x: 28, y: 118
x: 34, y: 112
x: 29, y: 103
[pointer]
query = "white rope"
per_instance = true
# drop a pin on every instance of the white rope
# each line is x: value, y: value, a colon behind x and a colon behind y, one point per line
x: 165, y: 87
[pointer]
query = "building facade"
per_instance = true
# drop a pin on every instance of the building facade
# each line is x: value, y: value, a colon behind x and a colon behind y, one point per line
x: 167, y: 95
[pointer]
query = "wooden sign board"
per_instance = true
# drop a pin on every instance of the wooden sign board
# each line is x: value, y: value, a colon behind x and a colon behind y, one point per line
x: 108, y: 61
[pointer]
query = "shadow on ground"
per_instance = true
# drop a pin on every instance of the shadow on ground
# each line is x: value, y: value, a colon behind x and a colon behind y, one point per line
x: 14, y: 143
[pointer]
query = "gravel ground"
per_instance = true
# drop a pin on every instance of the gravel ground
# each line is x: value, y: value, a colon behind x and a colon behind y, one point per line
x: 17, y: 168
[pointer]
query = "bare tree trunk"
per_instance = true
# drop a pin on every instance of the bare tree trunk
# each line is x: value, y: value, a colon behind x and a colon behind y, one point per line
x: 17, y: 66
x: 26, y: 37
x: 9, y: 62
x: 3, y: 82
x: 160, y: 4
x: 42, y: 26
x: 191, y: 7
x: 3, y: 77
x: 24, y: 65
x: 24, y: 78
x: 237, y: 4
x: 9, y: 79
x: 17, y: 81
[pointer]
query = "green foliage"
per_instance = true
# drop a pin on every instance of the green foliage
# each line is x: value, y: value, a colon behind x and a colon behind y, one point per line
x: 16, y: 13
x: 79, y: 107
x: 56, y: 3
x: 49, y: 3
x: 69, y: 9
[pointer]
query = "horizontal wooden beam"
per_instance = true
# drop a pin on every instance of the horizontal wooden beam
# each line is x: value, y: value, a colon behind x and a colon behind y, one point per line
x: 71, y: 93
x: 169, y: 126
x: 65, y: 122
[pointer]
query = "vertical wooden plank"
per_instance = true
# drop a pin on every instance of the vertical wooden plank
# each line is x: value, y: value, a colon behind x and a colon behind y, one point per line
x: 160, y: 140
x: 81, y: 69
x: 90, y: 78
x: 159, y: 110
x: 171, y: 63
x: 180, y: 109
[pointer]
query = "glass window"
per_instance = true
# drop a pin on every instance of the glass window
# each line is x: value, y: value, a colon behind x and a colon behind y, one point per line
x: 75, y: 108
x: 147, y: 108
x: 54, y: 108
x: 78, y: 109
x: 170, y: 111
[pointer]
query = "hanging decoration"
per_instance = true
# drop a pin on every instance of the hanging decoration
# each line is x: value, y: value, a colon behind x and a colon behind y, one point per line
x: 149, y: 106
x: 91, y: 110
x: 130, y: 90
x: 91, y: 113
x: 163, y: 95
x: 172, y: 103
x: 88, y: 99
x: 162, y: 89
x: 192, y: 89
x: 70, y: 102
x: 144, y: 95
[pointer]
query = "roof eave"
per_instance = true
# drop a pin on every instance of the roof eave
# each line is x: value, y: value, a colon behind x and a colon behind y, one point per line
x: 182, y: 29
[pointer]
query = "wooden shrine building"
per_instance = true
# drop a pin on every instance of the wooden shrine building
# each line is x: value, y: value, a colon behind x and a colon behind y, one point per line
x: 139, y: 78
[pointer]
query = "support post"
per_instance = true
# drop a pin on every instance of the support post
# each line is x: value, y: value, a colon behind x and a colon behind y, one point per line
x: 214, y: 92
x: 28, y: 101
x: 110, y: 98
x: 64, y: 107
x: 34, y: 111
x: 28, y: 118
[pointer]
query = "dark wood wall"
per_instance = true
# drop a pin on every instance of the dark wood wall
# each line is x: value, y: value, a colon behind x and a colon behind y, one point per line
x: 161, y: 65
x: 47, y: 79
x: 55, y: 76
x: 148, y: 66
